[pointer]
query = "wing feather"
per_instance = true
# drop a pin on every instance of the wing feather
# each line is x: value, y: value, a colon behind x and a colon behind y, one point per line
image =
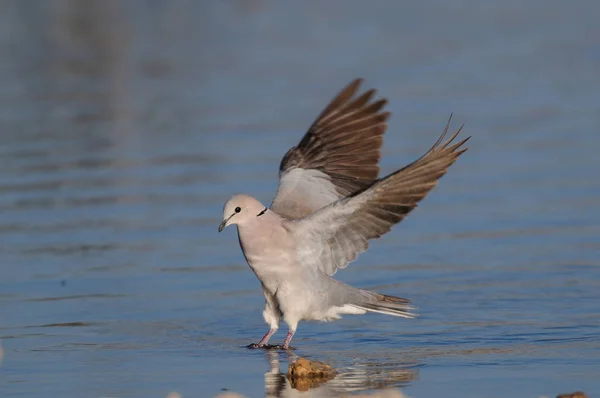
x: 338, y: 156
x: 336, y: 234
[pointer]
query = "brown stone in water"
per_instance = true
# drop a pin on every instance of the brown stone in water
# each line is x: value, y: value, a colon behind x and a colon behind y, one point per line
x: 576, y: 394
x: 304, y: 374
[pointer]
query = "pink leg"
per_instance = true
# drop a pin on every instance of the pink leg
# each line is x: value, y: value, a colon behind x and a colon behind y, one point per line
x: 288, y: 338
x: 266, y: 337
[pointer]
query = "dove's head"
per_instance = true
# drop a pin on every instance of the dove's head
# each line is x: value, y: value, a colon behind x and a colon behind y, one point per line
x: 241, y: 209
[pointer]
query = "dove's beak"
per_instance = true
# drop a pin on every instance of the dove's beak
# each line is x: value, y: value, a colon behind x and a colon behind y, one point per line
x: 224, y: 223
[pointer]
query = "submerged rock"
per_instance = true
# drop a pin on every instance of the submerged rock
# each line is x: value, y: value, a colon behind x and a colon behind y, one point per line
x: 576, y: 394
x: 304, y: 374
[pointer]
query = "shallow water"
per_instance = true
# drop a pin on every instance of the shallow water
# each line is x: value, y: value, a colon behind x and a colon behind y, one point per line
x: 125, y: 126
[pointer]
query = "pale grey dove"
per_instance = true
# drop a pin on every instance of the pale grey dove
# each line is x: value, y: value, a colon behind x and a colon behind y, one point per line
x: 328, y: 206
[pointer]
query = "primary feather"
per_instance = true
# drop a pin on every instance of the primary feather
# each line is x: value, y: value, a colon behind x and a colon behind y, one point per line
x: 333, y: 236
x: 337, y: 156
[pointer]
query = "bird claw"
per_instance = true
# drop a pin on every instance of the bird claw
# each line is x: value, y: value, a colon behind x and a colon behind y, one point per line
x: 273, y: 347
x: 269, y: 347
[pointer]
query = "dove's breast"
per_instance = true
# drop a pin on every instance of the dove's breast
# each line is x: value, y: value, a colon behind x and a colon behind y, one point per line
x: 270, y: 253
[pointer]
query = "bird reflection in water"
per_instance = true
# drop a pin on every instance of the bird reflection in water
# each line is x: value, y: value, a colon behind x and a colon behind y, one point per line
x: 369, y: 375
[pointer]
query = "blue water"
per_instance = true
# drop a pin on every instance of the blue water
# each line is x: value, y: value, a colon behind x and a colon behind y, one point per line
x: 126, y: 125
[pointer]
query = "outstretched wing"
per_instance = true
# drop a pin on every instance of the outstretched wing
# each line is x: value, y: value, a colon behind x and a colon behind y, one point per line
x: 336, y: 234
x: 336, y: 157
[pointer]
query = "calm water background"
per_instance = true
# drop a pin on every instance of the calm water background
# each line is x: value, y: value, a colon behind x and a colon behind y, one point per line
x: 124, y: 126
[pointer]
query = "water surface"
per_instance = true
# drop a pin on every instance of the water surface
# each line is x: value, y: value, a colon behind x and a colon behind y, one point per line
x: 126, y: 125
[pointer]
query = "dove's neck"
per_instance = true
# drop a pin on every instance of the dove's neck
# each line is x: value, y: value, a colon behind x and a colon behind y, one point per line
x: 266, y: 245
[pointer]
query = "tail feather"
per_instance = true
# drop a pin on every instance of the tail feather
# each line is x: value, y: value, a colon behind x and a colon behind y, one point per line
x: 389, y: 305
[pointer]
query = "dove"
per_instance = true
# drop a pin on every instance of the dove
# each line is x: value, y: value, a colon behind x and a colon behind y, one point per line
x: 329, y: 204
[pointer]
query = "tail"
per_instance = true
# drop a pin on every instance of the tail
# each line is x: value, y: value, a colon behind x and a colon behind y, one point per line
x: 384, y: 304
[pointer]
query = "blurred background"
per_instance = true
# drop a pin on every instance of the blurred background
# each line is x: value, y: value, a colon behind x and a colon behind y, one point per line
x: 125, y: 126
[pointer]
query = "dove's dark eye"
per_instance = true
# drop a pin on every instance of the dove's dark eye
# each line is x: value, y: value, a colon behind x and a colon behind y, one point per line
x: 237, y: 209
